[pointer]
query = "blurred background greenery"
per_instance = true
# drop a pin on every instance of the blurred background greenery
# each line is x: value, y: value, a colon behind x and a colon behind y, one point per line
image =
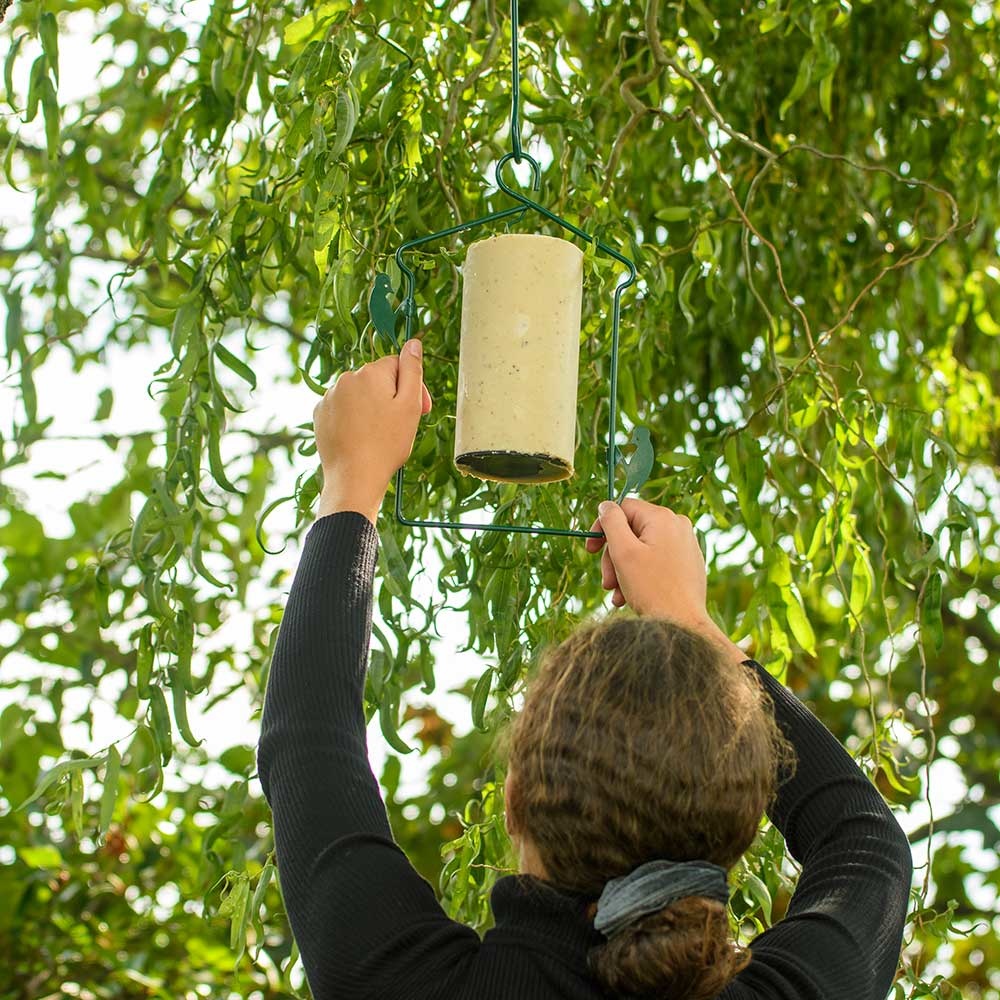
x: 810, y: 193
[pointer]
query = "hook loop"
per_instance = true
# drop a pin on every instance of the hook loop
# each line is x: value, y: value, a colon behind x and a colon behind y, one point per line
x: 536, y: 172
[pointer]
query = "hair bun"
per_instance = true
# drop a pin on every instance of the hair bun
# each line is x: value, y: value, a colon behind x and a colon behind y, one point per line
x: 684, y: 951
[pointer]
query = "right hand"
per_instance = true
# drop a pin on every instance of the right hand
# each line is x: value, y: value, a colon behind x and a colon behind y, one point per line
x: 652, y: 561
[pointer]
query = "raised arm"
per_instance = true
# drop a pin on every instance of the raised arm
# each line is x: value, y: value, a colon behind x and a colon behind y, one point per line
x: 841, y: 936
x: 365, y: 920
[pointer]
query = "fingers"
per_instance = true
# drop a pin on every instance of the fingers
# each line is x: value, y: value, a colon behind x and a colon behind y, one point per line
x: 594, y: 544
x: 638, y: 513
x: 641, y: 516
x: 609, y: 576
x: 658, y: 528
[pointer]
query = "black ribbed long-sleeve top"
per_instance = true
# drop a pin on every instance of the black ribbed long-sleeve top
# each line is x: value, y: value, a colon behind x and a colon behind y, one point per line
x: 369, y: 926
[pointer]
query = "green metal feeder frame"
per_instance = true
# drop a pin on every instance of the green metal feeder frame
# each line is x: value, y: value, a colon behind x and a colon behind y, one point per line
x: 499, y: 464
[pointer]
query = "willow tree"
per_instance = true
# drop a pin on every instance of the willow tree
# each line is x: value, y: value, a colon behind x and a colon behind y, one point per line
x: 809, y: 191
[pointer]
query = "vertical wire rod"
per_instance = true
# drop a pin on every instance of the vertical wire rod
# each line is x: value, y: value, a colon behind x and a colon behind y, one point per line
x: 515, y: 98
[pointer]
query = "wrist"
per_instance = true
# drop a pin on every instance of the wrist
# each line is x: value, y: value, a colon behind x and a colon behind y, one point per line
x: 702, y: 623
x: 726, y: 647
x: 706, y: 627
x: 333, y: 499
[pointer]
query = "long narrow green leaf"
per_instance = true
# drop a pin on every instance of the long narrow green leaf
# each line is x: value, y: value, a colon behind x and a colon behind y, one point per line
x: 479, y: 696
x: 59, y: 771
x: 109, y: 794
x: 234, y: 364
x: 387, y: 719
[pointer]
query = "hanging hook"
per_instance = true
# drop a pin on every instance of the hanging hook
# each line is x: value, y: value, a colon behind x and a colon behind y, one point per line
x: 384, y: 318
x: 536, y: 171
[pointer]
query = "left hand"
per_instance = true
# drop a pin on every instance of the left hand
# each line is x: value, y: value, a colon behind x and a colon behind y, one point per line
x: 367, y: 422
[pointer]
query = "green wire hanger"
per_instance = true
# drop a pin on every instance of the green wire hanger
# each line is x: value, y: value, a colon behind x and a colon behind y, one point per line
x: 383, y: 317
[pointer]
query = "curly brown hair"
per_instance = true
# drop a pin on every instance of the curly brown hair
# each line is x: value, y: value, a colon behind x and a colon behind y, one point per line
x: 639, y: 740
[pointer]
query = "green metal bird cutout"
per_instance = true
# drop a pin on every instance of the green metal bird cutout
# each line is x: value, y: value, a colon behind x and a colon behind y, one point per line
x: 382, y: 313
x: 640, y: 462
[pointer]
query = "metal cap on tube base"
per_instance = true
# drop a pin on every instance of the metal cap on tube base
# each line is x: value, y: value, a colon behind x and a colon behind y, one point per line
x: 519, y: 355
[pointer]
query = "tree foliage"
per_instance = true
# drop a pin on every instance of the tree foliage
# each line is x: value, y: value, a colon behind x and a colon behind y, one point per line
x: 810, y: 193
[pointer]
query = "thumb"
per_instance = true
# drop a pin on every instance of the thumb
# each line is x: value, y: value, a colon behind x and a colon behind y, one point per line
x: 614, y: 523
x: 410, y: 379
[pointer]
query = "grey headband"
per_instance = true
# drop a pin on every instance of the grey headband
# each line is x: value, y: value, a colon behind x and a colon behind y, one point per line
x: 651, y: 886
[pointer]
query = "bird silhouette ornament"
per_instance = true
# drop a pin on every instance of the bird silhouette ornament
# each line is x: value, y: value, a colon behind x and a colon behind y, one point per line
x: 382, y: 313
x: 639, y: 464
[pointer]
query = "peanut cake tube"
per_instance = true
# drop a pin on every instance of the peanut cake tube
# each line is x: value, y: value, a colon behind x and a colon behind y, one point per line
x: 519, y: 355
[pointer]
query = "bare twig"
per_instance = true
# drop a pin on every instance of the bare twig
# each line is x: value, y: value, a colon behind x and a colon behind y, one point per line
x: 627, y: 90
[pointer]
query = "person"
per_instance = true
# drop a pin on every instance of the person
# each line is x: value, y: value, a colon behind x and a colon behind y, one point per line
x: 641, y: 738
x: 647, y: 750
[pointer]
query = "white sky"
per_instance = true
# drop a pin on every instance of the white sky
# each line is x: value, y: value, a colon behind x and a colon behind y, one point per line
x: 71, y: 397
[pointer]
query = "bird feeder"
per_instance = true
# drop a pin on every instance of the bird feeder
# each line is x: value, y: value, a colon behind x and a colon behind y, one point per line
x: 519, y: 348
x: 521, y: 302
